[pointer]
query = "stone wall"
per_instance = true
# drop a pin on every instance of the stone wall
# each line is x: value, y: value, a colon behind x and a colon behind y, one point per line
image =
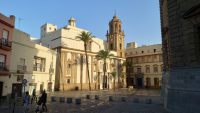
x: 180, y: 23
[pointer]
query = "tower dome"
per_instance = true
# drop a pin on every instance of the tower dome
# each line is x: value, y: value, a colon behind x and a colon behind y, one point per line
x: 72, y: 22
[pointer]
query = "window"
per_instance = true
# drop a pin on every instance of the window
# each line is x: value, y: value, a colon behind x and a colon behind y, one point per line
x: 2, y: 61
x: 155, y: 68
x: 156, y: 81
x: 20, y: 78
x: 154, y: 50
x: 68, y: 69
x: 49, y: 28
x: 21, y: 65
x: 147, y: 69
x: 142, y: 51
x: 68, y: 81
x: 89, y: 46
x: 22, y: 61
x: 148, y: 81
x: 39, y: 64
x: 120, y: 54
x: 120, y: 46
x: 5, y: 34
x: 139, y: 70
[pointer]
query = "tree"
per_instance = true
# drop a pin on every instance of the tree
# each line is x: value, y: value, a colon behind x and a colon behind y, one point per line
x: 129, y: 65
x: 103, y: 55
x: 114, y: 75
x: 86, y: 37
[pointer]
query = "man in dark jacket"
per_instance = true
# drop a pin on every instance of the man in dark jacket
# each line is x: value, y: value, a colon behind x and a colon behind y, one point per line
x: 44, y: 100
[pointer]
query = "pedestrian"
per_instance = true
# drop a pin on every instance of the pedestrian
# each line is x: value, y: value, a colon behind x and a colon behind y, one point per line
x: 26, y: 101
x: 39, y: 102
x: 44, y: 100
x: 34, y: 98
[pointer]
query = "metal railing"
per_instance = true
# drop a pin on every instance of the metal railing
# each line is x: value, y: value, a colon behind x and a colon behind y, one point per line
x: 5, y: 42
x: 39, y: 68
x: 3, y: 67
x: 21, y: 68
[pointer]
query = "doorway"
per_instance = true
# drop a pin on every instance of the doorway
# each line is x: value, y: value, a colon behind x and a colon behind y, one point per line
x: 31, y: 87
x: 50, y: 86
x: 41, y: 87
x: 148, y: 82
x: 139, y: 82
x: 1, y: 89
x: 17, y: 88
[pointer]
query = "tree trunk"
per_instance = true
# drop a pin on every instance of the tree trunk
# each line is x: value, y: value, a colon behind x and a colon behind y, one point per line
x: 85, y: 46
x: 81, y: 72
x: 114, y: 83
x: 104, y: 74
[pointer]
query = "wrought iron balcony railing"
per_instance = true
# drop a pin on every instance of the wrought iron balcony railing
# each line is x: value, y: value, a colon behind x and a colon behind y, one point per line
x: 21, y: 68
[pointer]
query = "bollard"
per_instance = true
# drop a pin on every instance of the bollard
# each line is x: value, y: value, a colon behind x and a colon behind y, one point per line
x: 69, y: 100
x: 87, y: 96
x: 136, y: 100
x: 148, y: 101
x: 78, y: 101
x: 53, y: 99
x: 123, y: 99
x: 96, y: 97
x: 110, y: 98
x: 62, y: 99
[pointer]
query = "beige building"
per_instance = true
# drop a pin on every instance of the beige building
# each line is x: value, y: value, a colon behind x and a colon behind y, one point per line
x: 71, y: 63
x: 32, y: 62
x: 147, y: 64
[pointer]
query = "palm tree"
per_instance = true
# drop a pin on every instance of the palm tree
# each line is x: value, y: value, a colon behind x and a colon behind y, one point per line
x: 114, y: 74
x: 103, y: 55
x: 86, y: 37
x: 128, y: 65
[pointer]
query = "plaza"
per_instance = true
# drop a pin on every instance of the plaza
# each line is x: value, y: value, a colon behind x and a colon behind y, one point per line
x: 124, y: 101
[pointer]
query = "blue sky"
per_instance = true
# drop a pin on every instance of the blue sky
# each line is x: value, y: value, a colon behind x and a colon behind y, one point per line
x: 140, y: 18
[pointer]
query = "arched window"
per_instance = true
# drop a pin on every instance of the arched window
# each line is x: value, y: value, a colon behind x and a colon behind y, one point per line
x: 147, y: 68
x: 116, y: 27
x: 120, y: 46
x: 155, y: 68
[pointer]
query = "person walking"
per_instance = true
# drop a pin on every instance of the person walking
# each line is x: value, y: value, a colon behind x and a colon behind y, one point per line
x: 26, y: 101
x: 34, y: 98
x: 44, y: 100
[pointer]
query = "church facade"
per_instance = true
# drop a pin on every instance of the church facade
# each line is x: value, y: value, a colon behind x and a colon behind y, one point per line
x: 71, y: 68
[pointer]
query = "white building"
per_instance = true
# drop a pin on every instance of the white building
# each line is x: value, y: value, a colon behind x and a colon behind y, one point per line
x: 71, y: 67
x: 32, y: 62
x: 147, y: 64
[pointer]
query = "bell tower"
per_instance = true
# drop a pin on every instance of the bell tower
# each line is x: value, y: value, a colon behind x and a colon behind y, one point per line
x: 115, y: 36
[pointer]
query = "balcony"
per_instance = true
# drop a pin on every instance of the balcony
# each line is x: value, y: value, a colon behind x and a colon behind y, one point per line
x: 38, y: 68
x: 5, y: 44
x: 21, y: 68
x: 3, y: 69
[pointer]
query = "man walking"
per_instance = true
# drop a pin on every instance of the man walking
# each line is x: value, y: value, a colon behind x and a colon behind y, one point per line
x: 44, y: 100
x: 26, y: 101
